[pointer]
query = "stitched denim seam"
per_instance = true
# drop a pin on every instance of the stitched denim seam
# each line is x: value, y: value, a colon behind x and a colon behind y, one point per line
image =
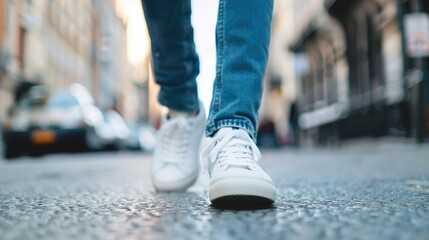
x: 219, y: 66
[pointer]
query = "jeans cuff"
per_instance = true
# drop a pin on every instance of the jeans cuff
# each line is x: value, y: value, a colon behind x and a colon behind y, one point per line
x: 212, y: 128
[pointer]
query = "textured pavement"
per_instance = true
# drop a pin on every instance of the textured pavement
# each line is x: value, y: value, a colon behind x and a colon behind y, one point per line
x: 369, y: 191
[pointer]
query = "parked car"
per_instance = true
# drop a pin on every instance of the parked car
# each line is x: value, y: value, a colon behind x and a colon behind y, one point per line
x: 133, y: 142
x: 142, y: 137
x: 147, y: 138
x: 114, y: 131
x: 63, y: 119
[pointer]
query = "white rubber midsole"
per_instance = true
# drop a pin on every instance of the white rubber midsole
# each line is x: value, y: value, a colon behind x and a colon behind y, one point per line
x: 242, y: 186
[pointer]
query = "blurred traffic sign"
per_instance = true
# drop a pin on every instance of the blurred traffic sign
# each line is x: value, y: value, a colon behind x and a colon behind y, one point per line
x: 417, y: 34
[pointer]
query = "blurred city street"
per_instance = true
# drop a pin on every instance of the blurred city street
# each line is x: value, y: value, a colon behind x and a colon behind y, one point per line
x: 343, y: 121
x: 365, y: 190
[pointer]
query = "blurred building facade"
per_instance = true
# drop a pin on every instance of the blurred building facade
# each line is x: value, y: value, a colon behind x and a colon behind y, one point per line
x: 351, y: 69
x: 279, y: 83
x: 56, y: 43
x: 114, y: 70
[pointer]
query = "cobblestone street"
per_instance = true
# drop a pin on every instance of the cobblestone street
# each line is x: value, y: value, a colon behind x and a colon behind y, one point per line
x: 369, y: 191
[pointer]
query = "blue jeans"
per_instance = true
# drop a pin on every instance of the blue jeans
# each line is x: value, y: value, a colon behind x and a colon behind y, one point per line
x: 242, y: 39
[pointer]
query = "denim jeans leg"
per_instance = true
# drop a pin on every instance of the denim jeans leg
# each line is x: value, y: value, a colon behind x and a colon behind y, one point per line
x: 242, y: 40
x: 174, y: 58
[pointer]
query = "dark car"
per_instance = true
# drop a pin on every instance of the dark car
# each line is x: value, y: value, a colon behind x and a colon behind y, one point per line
x: 63, y: 120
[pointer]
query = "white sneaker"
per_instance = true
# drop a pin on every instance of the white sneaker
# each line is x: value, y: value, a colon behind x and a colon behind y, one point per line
x: 175, y: 166
x: 231, y: 160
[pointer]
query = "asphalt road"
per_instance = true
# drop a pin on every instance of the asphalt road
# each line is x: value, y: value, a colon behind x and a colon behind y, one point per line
x: 369, y: 191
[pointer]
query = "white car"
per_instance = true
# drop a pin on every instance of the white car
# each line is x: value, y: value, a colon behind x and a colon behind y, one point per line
x: 114, y: 132
x: 61, y: 120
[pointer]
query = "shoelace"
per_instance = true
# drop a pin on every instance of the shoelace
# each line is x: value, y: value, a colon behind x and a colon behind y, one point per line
x: 173, y: 139
x: 230, y: 151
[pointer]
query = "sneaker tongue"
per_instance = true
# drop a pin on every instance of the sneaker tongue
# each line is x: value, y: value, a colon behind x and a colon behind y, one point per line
x: 238, y: 133
x: 224, y: 131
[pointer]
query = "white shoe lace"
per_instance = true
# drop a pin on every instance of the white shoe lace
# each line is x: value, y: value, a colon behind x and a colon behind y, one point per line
x: 173, y: 140
x: 231, y: 151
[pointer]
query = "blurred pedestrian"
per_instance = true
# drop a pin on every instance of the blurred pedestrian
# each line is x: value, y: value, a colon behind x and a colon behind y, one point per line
x: 242, y: 39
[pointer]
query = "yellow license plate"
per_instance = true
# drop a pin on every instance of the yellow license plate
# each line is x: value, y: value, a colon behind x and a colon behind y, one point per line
x: 43, y: 137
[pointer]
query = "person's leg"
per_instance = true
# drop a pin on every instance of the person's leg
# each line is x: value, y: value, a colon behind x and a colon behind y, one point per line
x: 175, y: 62
x: 242, y: 36
x: 174, y: 58
x: 242, y: 39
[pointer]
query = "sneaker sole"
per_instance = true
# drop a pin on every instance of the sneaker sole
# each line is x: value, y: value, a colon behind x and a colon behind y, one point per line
x: 242, y: 193
x: 242, y: 202
x: 176, y: 186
